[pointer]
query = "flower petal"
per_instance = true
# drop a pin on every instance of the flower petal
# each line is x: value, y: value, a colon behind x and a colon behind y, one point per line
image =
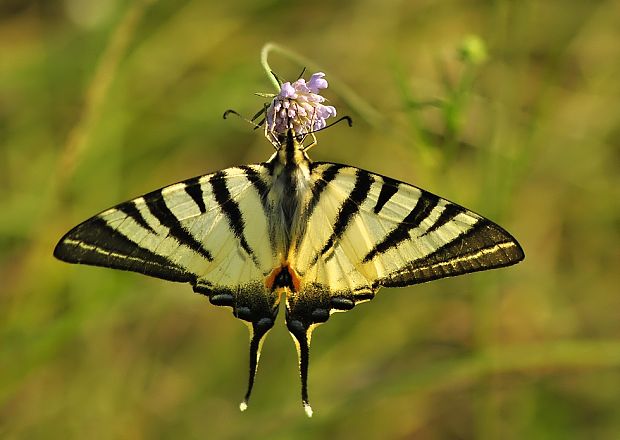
x: 300, y: 106
x: 317, y: 82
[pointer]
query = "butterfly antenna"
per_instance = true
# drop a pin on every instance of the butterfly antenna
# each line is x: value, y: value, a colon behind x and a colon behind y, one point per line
x: 311, y: 133
x: 344, y: 118
x: 249, y: 121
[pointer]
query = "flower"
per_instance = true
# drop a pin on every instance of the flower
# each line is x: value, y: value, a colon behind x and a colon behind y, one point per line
x: 300, y: 107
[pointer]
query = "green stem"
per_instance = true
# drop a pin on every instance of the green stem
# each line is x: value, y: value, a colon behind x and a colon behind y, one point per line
x: 264, y: 55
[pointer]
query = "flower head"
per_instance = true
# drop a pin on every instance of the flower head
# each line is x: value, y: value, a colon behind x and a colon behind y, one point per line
x: 300, y: 107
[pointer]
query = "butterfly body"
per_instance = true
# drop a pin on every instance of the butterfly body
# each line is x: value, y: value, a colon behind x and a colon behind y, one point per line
x: 289, y: 188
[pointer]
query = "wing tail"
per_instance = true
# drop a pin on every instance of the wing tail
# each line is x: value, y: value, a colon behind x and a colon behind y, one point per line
x: 256, y: 306
x: 258, y: 331
x: 301, y: 336
x: 305, y: 311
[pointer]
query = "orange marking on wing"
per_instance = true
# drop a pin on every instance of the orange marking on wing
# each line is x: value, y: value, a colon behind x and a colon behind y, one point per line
x: 295, y: 278
x: 271, y: 278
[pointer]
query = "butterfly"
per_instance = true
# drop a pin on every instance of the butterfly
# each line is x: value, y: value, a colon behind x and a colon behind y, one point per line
x: 323, y: 236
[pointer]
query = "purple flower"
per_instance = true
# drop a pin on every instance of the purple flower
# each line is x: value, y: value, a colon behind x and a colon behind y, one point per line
x: 300, y: 107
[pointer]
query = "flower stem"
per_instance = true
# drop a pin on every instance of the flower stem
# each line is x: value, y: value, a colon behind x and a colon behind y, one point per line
x: 264, y: 55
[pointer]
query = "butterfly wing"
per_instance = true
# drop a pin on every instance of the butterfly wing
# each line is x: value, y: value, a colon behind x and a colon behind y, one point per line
x: 365, y: 231
x: 211, y: 231
x: 183, y: 232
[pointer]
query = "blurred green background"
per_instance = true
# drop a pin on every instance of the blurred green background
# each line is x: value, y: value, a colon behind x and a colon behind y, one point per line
x: 508, y: 107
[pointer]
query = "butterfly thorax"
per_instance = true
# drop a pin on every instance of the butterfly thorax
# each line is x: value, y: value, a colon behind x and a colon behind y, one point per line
x: 291, y: 185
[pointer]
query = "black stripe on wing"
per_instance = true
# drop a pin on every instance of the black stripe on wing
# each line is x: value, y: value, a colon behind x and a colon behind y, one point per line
x: 230, y: 207
x: 388, y: 189
x: 349, y: 208
x: 130, y: 210
x: 484, y: 246
x: 423, y: 208
x: 193, y: 188
x: 94, y: 242
x: 262, y: 189
x: 156, y: 205
x: 259, y: 185
x: 321, y: 182
x: 450, y: 211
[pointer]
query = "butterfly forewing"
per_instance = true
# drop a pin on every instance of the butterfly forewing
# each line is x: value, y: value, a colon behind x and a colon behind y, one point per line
x: 191, y: 231
x: 394, y: 233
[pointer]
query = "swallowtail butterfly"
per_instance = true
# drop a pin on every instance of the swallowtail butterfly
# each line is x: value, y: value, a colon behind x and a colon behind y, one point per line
x: 323, y: 236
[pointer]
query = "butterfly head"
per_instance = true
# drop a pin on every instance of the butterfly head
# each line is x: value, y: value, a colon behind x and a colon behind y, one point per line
x: 290, y: 149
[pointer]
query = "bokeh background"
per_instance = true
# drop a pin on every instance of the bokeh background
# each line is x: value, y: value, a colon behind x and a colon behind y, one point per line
x: 508, y: 107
